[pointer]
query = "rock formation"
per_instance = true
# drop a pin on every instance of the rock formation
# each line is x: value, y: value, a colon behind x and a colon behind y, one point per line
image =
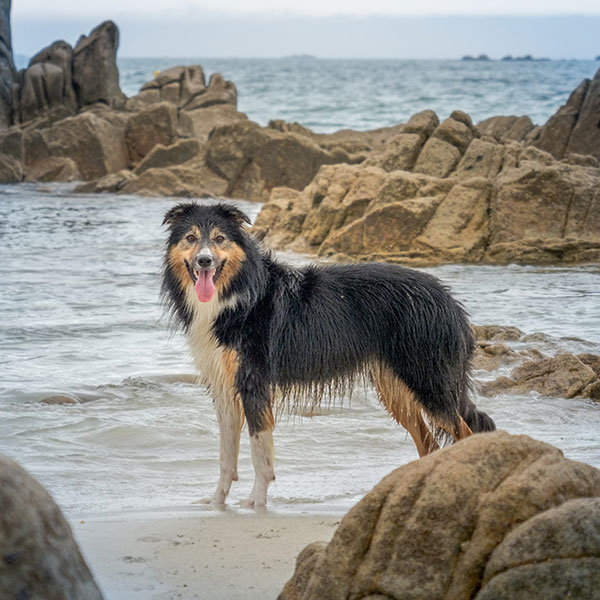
x: 494, y: 516
x: 40, y: 560
x: 539, y: 364
x: 60, y: 80
x: 443, y: 192
x: 7, y: 67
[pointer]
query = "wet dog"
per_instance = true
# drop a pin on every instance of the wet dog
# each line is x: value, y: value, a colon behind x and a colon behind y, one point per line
x: 263, y: 332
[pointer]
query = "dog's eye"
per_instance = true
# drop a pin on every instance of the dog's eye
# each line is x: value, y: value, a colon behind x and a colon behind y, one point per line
x: 220, y: 239
x: 191, y: 238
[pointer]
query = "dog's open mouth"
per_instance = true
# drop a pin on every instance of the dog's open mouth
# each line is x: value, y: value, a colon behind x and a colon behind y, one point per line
x: 204, y: 281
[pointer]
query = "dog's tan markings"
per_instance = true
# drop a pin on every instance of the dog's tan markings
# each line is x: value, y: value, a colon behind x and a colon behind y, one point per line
x: 462, y: 430
x: 231, y: 254
x: 399, y: 401
x: 182, y: 251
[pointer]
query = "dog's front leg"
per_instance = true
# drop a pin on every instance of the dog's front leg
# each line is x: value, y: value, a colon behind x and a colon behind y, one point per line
x: 256, y: 400
x: 231, y: 419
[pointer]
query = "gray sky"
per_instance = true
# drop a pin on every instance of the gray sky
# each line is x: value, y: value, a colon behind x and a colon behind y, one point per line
x: 332, y: 28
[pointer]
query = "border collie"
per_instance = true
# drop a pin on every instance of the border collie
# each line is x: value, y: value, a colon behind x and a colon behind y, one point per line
x: 263, y: 332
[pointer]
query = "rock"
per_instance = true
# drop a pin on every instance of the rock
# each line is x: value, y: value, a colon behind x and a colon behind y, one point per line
x: 490, y: 357
x: 11, y: 171
x: 545, y: 214
x: 459, y: 228
x: 186, y: 88
x: 54, y: 168
x: 482, y: 159
x: 400, y: 153
x: 422, y: 123
x: 46, y: 86
x: 254, y: 160
x: 585, y: 137
x: 166, y: 156
x: 204, y: 121
x: 554, y: 136
x: 284, y: 216
x: 95, y: 72
x: 563, y: 376
x: 7, y: 67
x: 146, y: 129
x: 93, y: 141
x: 193, y: 181
x: 40, y: 558
x: 454, y: 132
x: 496, y: 333
x: 110, y: 184
x: 505, y: 129
x: 568, y: 534
x: 438, y: 158
x: 452, y: 524
x: 574, y: 127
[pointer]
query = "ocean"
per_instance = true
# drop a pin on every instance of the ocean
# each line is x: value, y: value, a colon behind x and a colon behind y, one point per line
x: 80, y: 313
x: 327, y: 95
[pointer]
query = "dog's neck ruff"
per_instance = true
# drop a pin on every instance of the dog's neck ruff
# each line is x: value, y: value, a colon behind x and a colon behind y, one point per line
x: 206, y: 351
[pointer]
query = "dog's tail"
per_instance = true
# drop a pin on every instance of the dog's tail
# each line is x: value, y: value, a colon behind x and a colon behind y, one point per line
x: 476, y: 419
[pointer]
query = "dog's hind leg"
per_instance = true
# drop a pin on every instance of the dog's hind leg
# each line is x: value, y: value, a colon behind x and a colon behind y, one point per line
x: 400, y: 402
x: 256, y: 400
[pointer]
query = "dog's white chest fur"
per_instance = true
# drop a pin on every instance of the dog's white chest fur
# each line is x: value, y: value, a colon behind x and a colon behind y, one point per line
x: 206, y: 351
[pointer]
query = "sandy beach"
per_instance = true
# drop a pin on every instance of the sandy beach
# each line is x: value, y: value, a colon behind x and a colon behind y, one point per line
x: 205, y: 553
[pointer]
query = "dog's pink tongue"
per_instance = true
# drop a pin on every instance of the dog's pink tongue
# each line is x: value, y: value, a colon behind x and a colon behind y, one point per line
x: 205, y: 287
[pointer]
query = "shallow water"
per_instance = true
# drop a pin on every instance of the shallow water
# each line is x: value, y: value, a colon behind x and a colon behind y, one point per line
x: 80, y: 314
x: 328, y: 94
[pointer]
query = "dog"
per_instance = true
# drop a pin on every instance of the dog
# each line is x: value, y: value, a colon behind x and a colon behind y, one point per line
x: 261, y: 331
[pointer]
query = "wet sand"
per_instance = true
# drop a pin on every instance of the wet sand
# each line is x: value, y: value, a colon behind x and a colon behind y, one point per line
x: 205, y: 554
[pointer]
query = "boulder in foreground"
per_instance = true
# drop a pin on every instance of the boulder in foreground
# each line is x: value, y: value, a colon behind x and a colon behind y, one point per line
x: 494, y: 516
x: 39, y: 559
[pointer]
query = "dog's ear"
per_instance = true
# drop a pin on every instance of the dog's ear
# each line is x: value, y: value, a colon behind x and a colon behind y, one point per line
x: 235, y: 214
x: 175, y: 214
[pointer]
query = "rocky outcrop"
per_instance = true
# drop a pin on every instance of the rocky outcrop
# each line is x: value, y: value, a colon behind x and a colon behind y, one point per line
x: 574, y: 128
x: 95, y: 72
x: 540, y: 364
x: 564, y: 376
x: 60, y: 80
x: 438, y: 192
x: 40, y: 558
x: 7, y: 68
x: 494, y: 516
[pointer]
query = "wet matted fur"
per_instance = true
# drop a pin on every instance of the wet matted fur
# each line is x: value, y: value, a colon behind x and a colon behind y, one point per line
x: 262, y: 331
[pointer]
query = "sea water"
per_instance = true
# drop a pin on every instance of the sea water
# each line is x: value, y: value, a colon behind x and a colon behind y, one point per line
x: 327, y: 94
x: 81, y: 318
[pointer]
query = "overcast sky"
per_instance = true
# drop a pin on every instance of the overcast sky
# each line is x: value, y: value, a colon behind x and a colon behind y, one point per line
x: 332, y: 28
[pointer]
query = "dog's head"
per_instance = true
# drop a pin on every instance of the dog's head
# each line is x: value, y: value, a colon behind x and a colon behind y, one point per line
x: 206, y: 246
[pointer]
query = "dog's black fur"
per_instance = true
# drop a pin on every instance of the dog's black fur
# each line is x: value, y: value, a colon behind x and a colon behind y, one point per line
x: 306, y: 330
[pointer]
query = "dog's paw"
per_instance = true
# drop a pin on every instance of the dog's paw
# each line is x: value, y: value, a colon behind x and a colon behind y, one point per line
x: 252, y: 502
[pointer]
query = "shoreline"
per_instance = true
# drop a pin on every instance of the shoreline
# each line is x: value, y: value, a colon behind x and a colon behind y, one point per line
x: 229, y: 554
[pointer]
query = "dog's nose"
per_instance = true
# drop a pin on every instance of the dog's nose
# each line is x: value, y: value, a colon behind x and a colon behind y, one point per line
x: 204, y: 261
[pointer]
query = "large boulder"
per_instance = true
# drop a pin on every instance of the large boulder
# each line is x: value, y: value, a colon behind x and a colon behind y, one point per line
x: 563, y: 376
x: 40, y: 558
x: 144, y: 130
x: 46, y: 86
x: 186, y: 88
x: 574, y: 128
x: 7, y: 67
x: 494, y: 516
x: 93, y: 141
x: 95, y: 72
x: 545, y: 212
x: 254, y: 160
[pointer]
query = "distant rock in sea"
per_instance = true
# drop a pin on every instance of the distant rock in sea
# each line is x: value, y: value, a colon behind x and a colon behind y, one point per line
x: 480, y: 57
x: 526, y: 58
